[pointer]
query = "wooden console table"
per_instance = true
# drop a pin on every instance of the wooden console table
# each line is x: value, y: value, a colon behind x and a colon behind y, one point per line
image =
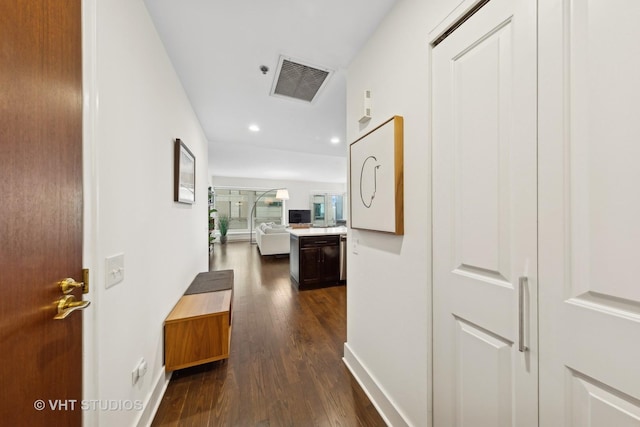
x: 198, y: 329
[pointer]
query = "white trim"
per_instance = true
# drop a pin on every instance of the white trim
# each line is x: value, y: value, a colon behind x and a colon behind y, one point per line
x: 457, y: 13
x: 90, y: 331
x: 154, y: 398
x: 376, y: 394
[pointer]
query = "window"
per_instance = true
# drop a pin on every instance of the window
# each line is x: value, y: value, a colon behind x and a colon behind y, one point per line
x: 237, y: 205
x: 327, y: 210
x: 268, y: 208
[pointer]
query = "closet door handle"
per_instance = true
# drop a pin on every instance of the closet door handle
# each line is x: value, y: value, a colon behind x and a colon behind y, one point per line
x: 522, y: 282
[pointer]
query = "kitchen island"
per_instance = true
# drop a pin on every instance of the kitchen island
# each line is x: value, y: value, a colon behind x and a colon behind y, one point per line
x: 315, y: 257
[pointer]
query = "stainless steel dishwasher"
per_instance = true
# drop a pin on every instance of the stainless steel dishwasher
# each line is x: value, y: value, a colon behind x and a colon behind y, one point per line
x: 343, y: 257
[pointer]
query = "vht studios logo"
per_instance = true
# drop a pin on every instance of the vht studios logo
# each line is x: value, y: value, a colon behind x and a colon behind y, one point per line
x: 87, y: 405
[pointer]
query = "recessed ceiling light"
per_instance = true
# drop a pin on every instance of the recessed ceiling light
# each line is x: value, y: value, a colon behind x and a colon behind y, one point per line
x: 335, y: 140
x: 254, y: 128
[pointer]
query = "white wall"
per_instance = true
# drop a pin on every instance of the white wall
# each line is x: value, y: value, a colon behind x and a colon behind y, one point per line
x: 299, y: 191
x: 389, y: 292
x: 135, y: 107
x: 235, y: 160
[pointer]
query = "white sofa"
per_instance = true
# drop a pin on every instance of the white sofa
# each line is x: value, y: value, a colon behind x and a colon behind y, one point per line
x: 272, y: 239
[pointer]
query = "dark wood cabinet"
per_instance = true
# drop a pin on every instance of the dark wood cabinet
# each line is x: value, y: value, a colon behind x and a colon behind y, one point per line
x: 318, y: 259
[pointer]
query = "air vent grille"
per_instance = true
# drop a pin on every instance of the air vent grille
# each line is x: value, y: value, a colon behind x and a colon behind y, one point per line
x: 299, y: 81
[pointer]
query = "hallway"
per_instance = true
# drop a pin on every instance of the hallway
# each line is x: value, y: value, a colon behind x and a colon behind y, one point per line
x: 285, y: 367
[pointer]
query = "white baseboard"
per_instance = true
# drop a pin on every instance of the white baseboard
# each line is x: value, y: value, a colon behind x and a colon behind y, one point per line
x: 153, y: 399
x: 372, y: 389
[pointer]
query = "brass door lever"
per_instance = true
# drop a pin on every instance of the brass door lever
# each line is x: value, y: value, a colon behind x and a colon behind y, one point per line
x: 67, y: 304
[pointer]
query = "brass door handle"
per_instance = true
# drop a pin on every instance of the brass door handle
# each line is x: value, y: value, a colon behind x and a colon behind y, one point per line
x: 68, y: 304
x: 67, y: 285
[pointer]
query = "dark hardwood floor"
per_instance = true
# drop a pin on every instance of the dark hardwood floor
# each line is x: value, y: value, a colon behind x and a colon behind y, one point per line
x: 285, y: 366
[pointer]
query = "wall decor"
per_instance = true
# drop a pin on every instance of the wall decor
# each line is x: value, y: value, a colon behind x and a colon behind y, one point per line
x: 184, y: 174
x: 377, y: 182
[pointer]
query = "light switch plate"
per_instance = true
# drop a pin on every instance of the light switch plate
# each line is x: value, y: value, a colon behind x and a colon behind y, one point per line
x: 114, y: 270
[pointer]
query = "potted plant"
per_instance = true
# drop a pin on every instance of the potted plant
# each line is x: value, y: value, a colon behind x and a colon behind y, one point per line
x: 223, y: 227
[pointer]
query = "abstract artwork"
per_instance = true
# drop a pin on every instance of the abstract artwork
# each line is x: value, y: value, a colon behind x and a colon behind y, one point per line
x: 376, y: 185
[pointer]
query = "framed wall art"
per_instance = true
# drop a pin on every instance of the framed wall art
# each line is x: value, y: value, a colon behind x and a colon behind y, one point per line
x: 184, y: 174
x: 377, y: 184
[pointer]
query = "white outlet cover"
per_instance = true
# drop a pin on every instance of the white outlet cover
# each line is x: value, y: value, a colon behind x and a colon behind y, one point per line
x: 114, y: 270
x: 134, y: 376
x: 142, y: 368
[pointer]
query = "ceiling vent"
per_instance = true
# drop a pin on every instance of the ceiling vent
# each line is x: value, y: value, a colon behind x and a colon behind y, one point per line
x: 294, y: 79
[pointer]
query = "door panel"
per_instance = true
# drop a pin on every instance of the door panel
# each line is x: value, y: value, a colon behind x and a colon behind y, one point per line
x: 483, y: 365
x: 330, y: 263
x: 594, y: 404
x: 589, y: 210
x: 40, y: 210
x: 484, y: 219
x: 310, y: 271
x: 481, y: 155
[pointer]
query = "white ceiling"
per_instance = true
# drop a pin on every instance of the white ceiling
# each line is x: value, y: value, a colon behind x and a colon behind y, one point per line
x: 217, y: 48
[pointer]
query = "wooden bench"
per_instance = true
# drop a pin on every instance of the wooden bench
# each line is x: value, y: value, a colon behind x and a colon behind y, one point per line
x: 198, y: 329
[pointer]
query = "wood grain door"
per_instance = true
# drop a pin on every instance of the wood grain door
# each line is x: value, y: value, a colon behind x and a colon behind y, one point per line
x: 485, y: 367
x: 589, y: 105
x: 40, y: 210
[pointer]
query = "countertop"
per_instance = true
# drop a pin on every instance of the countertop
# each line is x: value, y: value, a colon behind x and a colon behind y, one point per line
x: 318, y: 231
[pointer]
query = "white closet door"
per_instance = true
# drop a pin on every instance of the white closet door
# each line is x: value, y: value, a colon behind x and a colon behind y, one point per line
x: 484, y: 219
x: 589, y: 114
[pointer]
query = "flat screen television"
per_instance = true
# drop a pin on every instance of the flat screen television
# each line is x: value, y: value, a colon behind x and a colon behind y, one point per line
x: 299, y: 216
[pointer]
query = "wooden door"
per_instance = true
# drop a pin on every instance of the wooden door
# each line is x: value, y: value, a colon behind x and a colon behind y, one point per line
x: 484, y: 220
x: 589, y: 140
x: 40, y: 210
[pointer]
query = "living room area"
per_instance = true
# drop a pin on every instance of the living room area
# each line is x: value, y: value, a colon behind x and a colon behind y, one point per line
x: 235, y: 197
